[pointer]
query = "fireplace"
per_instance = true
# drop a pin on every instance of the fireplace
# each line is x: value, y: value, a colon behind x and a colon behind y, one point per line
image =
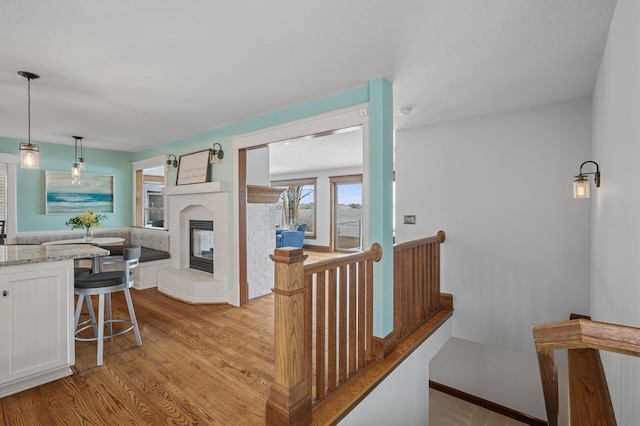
x: 201, y: 242
x: 206, y: 205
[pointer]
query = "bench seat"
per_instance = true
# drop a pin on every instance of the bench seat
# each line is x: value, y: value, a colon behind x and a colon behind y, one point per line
x: 146, y: 255
x: 151, y: 260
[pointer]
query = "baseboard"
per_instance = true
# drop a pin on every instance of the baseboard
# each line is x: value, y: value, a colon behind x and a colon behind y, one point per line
x: 319, y: 249
x: 492, y: 406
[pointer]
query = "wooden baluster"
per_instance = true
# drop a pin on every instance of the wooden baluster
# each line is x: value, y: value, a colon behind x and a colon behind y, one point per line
x: 369, y: 310
x: 308, y: 303
x: 549, y: 375
x: 289, y: 402
x: 352, y: 319
x: 331, y: 332
x: 320, y: 335
x: 361, y: 314
x: 342, y: 326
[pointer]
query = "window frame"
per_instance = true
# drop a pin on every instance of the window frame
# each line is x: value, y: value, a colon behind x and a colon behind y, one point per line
x: 303, y: 182
x: 333, y: 182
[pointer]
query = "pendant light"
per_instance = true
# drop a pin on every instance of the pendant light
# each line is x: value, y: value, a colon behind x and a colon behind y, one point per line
x: 75, y: 168
x: 29, y: 153
x: 81, y: 160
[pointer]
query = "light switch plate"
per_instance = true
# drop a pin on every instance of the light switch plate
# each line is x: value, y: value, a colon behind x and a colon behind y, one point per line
x: 410, y: 219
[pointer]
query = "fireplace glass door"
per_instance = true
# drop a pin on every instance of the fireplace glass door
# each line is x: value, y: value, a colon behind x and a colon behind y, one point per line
x: 201, y: 245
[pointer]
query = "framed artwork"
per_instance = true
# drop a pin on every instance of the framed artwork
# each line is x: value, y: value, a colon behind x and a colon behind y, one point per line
x: 193, y: 168
x: 95, y: 193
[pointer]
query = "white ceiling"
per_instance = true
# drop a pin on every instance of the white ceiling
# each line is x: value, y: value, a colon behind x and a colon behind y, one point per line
x: 339, y: 149
x: 128, y: 75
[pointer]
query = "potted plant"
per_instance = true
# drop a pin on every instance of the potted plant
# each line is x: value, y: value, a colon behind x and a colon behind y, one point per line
x: 87, y: 221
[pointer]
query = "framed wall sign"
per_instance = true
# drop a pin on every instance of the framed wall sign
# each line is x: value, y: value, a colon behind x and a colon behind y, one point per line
x: 193, y: 168
x: 95, y: 193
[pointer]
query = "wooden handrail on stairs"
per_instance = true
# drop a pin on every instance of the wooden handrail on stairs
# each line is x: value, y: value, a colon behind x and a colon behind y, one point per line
x: 416, y: 283
x: 329, y: 302
x: 589, y: 398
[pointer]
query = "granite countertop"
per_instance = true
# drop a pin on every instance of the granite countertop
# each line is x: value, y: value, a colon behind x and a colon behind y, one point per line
x: 21, y: 254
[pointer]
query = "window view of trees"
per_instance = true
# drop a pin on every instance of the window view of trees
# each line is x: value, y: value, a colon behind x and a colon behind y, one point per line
x: 297, y: 203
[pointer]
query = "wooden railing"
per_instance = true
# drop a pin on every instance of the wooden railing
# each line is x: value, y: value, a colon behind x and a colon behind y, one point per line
x: 588, y: 392
x: 416, y: 281
x: 323, y: 329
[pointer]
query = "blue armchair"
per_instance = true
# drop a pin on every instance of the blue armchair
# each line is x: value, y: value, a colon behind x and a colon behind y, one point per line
x: 291, y: 238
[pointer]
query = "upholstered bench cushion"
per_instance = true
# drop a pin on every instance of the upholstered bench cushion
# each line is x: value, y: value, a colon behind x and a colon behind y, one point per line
x: 103, y: 279
x: 147, y: 254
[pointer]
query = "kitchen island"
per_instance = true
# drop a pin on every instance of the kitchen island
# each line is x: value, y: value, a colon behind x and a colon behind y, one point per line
x: 36, y: 313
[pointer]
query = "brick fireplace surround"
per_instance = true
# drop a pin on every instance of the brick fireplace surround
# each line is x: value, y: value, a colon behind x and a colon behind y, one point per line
x: 202, y: 201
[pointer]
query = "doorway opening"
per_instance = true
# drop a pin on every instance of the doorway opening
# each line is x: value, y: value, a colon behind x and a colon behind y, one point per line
x: 302, y: 155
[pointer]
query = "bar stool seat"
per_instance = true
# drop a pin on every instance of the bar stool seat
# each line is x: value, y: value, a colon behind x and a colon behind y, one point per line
x: 103, y: 284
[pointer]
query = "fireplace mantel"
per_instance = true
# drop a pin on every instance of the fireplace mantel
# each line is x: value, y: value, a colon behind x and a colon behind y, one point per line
x: 197, y: 188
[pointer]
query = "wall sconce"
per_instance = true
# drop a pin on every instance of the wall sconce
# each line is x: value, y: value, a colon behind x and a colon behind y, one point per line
x: 171, y: 163
x: 29, y: 153
x: 581, y: 182
x: 216, y: 154
x: 75, y: 168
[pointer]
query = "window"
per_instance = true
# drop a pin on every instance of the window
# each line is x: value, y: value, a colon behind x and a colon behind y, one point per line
x: 297, y: 204
x: 149, y: 179
x: 346, y: 223
x: 153, y: 203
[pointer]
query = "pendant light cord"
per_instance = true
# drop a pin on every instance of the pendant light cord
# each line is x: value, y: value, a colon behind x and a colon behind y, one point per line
x: 29, y: 108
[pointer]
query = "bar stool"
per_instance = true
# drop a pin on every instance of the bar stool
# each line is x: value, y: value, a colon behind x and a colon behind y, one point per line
x: 103, y: 284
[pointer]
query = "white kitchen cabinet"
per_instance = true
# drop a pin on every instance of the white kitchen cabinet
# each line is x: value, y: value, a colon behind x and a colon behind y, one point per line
x: 36, y: 324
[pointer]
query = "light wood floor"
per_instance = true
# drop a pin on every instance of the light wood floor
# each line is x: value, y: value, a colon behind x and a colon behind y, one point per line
x: 446, y: 410
x: 198, y: 364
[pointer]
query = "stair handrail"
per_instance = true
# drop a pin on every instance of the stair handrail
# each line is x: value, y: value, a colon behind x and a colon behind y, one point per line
x: 578, y: 334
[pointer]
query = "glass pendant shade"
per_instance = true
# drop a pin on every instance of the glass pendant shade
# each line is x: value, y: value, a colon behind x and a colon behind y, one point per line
x: 29, y: 156
x: 581, y: 187
x: 75, y: 174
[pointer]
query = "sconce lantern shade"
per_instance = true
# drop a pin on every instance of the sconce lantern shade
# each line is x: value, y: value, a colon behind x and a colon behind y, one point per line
x: 581, y: 187
x: 29, y: 153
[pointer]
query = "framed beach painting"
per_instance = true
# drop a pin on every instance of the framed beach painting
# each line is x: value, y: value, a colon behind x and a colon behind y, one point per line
x: 95, y: 193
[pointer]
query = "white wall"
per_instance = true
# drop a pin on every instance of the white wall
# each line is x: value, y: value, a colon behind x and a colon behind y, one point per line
x: 517, y: 248
x: 509, y: 377
x: 258, y: 166
x: 403, y: 396
x: 261, y: 241
x: 615, y: 276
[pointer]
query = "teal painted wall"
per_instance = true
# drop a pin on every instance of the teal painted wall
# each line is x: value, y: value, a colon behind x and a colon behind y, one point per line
x: 381, y: 199
x: 31, y: 189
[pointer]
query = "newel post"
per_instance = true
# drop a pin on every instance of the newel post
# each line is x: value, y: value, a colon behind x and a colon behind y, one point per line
x: 289, y: 401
